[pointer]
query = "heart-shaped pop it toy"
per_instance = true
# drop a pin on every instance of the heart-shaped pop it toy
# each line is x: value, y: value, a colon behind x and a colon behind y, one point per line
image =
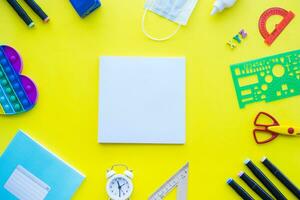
x: 17, y: 92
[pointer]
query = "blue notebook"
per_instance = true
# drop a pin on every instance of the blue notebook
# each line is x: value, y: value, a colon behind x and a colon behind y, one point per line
x: 28, y: 171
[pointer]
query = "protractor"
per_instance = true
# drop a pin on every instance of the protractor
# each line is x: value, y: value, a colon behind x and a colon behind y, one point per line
x: 262, y: 24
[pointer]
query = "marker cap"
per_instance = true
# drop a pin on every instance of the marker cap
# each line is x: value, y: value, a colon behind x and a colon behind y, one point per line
x: 229, y: 180
x: 31, y: 25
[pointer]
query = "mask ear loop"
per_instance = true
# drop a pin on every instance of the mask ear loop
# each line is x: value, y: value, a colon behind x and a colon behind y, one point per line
x: 153, y: 38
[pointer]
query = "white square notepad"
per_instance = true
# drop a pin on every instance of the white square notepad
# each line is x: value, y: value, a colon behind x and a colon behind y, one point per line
x: 142, y: 100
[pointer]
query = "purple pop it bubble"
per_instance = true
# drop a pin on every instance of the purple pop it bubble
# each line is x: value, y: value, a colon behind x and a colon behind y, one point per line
x: 14, y: 58
x: 30, y: 88
x: 16, y: 61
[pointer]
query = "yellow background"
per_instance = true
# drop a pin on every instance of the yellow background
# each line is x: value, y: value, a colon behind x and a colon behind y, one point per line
x: 62, y: 58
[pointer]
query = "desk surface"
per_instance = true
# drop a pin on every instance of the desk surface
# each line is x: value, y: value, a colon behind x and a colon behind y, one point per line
x: 62, y: 58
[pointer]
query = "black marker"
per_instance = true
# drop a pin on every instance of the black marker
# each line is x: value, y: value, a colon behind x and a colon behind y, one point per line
x: 254, y: 186
x: 37, y: 9
x: 283, y: 179
x: 239, y: 190
x: 21, y: 12
x: 262, y: 177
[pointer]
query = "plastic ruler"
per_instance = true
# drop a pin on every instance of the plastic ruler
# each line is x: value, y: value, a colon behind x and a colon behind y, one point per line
x: 179, y: 181
x: 267, y: 79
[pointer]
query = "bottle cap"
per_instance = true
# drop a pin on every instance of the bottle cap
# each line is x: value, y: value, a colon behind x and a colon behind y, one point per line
x: 214, y: 11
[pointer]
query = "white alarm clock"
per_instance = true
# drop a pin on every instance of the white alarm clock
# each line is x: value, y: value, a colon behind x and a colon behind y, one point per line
x: 119, y: 186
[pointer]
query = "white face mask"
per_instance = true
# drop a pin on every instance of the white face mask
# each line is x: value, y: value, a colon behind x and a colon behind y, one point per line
x: 178, y: 11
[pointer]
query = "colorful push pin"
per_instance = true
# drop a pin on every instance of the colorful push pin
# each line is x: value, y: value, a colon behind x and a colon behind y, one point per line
x: 237, y: 38
x: 17, y: 92
x: 243, y: 33
x: 231, y: 44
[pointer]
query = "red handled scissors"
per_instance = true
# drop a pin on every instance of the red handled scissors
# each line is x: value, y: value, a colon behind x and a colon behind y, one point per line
x: 273, y: 128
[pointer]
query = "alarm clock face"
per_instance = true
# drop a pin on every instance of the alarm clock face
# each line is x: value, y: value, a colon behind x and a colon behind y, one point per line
x: 119, y: 187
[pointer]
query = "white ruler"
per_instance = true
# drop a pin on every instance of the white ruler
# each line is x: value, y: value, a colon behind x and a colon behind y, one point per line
x: 179, y: 180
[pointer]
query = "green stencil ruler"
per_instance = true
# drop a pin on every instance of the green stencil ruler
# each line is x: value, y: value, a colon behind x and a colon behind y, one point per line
x: 267, y: 79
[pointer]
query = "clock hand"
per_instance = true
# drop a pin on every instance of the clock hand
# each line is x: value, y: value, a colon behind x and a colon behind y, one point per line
x: 119, y: 187
x: 122, y: 191
x: 123, y: 185
x: 118, y: 184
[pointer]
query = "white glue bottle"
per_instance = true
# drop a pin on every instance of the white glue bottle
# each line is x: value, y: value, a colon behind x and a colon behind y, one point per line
x: 220, y: 5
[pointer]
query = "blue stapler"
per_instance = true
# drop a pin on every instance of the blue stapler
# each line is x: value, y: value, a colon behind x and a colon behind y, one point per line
x: 85, y: 7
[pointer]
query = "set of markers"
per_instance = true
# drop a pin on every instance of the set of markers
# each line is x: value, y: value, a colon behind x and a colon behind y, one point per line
x: 24, y: 16
x: 265, y: 181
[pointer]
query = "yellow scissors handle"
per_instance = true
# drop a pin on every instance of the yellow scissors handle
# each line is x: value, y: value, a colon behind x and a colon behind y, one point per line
x: 285, y: 130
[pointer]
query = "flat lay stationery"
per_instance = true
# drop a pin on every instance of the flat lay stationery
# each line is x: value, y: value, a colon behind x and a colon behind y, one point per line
x: 129, y: 91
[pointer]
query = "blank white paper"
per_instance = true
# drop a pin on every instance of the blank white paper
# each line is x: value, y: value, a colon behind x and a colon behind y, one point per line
x: 25, y: 186
x: 142, y: 100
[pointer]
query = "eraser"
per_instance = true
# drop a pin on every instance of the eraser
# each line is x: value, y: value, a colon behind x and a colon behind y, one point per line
x: 85, y: 7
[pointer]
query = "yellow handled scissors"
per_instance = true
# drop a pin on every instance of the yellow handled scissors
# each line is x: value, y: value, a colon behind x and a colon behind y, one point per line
x: 273, y: 128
